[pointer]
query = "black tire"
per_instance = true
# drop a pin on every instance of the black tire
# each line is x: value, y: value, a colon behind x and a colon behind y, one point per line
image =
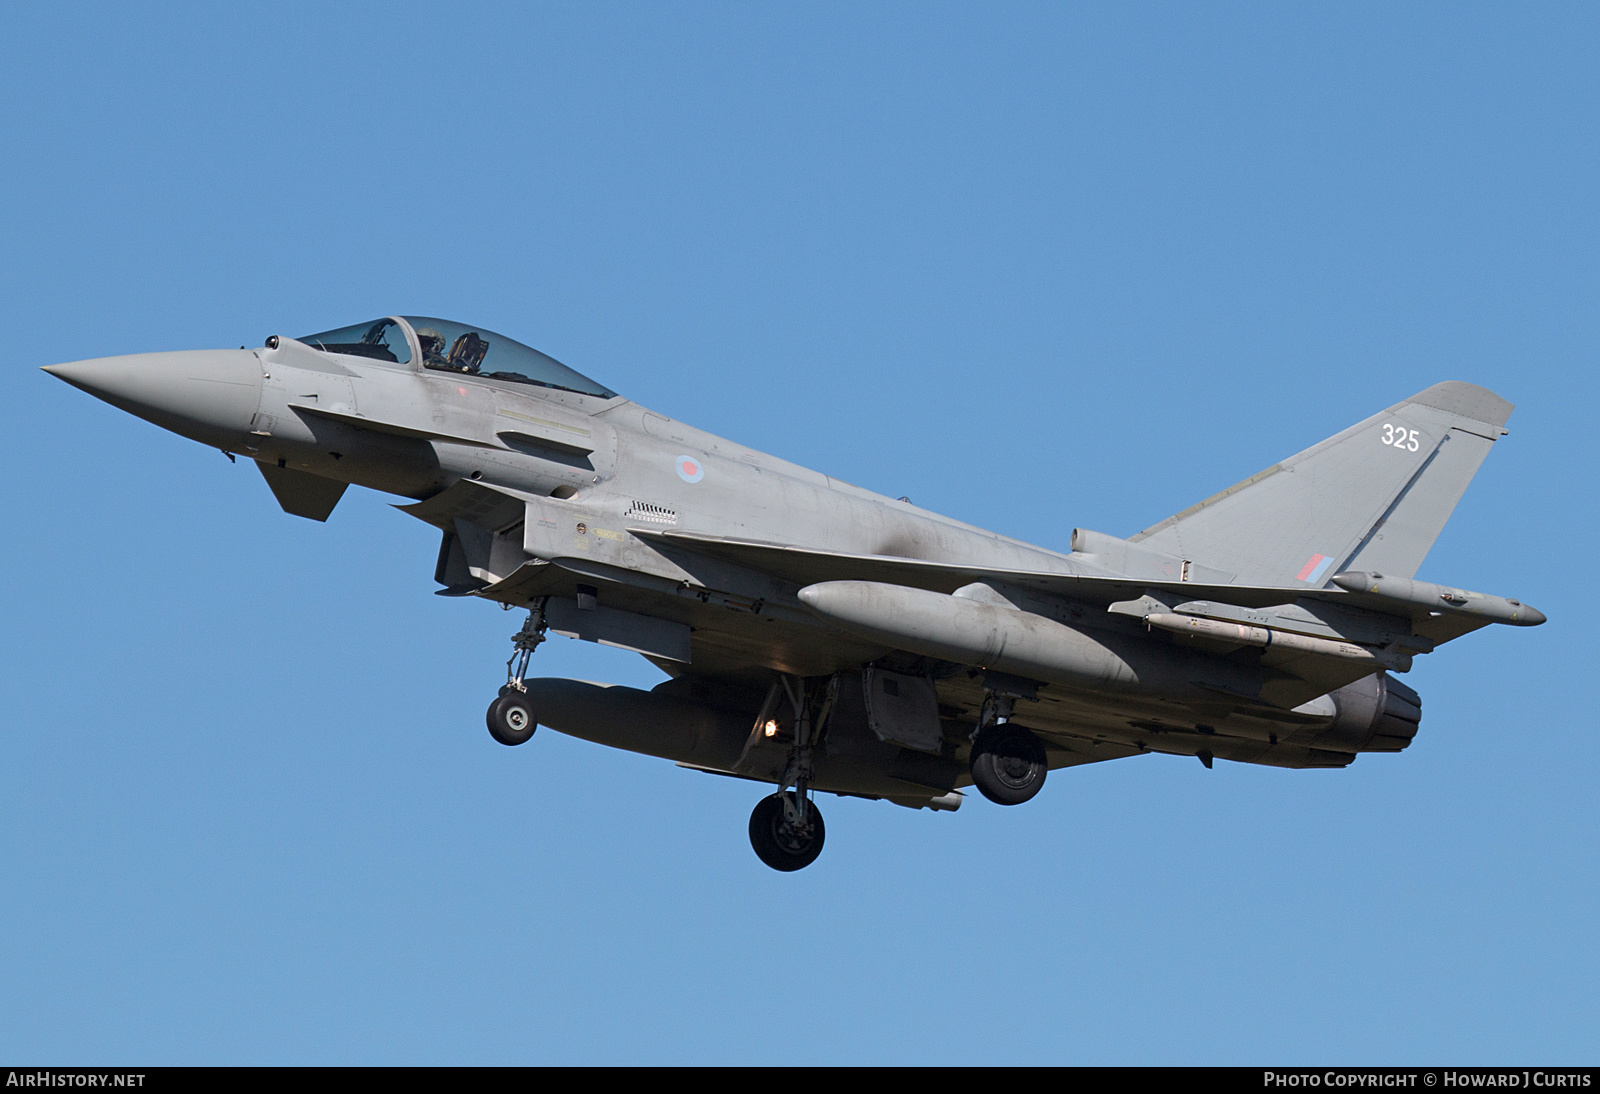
x: 1008, y: 764
x: 776, y: 844
x: 511, y: 720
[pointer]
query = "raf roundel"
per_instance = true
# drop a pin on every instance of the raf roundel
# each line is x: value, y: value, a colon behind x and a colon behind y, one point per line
x: 690, y: 469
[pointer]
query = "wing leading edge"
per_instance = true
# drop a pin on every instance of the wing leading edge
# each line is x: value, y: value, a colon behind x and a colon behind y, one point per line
x: 1440, y: 612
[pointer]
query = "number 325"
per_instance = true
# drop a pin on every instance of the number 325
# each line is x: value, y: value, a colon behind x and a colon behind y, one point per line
x: 1400, y: 437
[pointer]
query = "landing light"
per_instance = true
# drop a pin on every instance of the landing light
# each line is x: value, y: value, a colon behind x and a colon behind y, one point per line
x: 770, y: 729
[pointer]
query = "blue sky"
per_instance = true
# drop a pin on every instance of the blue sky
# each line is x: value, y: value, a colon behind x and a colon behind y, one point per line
x: 1036, y: 266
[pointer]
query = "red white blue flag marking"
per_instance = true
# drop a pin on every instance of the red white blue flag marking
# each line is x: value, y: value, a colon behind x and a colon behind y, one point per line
x: 1315, y: 567
x: 690, y: 469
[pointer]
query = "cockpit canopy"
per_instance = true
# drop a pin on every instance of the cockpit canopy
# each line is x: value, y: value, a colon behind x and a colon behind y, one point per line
x: 446, y: 346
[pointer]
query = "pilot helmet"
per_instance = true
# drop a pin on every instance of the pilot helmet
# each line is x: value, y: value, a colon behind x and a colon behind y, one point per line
x: 432, y: 343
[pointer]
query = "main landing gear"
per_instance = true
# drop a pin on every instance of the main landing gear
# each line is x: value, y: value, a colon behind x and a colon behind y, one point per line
x: 786, y: 829
x: 783, y: 842
x: 511, y: 719
x: 1008, y: 762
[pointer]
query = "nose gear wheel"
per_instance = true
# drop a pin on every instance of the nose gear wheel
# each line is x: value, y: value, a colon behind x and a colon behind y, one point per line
x: 511, y: 720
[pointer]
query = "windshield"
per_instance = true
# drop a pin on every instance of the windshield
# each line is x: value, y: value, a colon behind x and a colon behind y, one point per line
x: 382, y: 340
x: 452, y: 347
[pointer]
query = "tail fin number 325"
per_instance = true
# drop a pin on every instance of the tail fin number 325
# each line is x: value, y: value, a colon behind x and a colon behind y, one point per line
x: 1399, y: 436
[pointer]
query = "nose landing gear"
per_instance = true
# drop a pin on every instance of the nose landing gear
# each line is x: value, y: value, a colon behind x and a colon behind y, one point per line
x: 510, y: 717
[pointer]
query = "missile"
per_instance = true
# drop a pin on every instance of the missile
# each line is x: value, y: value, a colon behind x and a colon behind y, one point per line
x: 955, y: 628
x: 1264, y: 637
x: 1425, y: 594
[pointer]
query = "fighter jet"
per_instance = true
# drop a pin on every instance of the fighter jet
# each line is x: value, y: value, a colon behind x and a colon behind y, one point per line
x: 821, y: 638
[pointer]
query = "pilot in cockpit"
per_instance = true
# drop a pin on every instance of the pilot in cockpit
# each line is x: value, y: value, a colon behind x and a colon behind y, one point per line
x: 465, y: 356
x: 432, y: 349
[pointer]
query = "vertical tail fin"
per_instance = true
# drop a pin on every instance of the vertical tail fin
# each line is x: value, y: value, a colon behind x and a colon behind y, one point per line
x: 1374, y: 497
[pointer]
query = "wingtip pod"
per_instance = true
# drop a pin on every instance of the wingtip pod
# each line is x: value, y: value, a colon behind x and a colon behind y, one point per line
x: 1425, y: 594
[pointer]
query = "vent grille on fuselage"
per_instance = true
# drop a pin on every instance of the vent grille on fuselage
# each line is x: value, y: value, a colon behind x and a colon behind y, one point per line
x: 654, y: 514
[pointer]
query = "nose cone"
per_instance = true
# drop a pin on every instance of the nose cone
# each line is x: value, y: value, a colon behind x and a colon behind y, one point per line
x: 208, y: 395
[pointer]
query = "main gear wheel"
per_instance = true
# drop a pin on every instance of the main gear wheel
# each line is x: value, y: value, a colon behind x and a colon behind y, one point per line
x: 1008, y: 764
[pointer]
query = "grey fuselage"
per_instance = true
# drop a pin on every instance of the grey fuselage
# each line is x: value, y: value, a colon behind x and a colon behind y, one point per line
x: 695, y: 551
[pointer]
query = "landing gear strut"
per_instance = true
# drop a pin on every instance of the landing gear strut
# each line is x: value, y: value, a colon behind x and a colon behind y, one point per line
x: 511, y: 719
x: 786, y: 829
x: 1008, y: 762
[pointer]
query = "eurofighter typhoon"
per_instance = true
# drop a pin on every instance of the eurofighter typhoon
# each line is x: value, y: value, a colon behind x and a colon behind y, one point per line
x: 821, y: 638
